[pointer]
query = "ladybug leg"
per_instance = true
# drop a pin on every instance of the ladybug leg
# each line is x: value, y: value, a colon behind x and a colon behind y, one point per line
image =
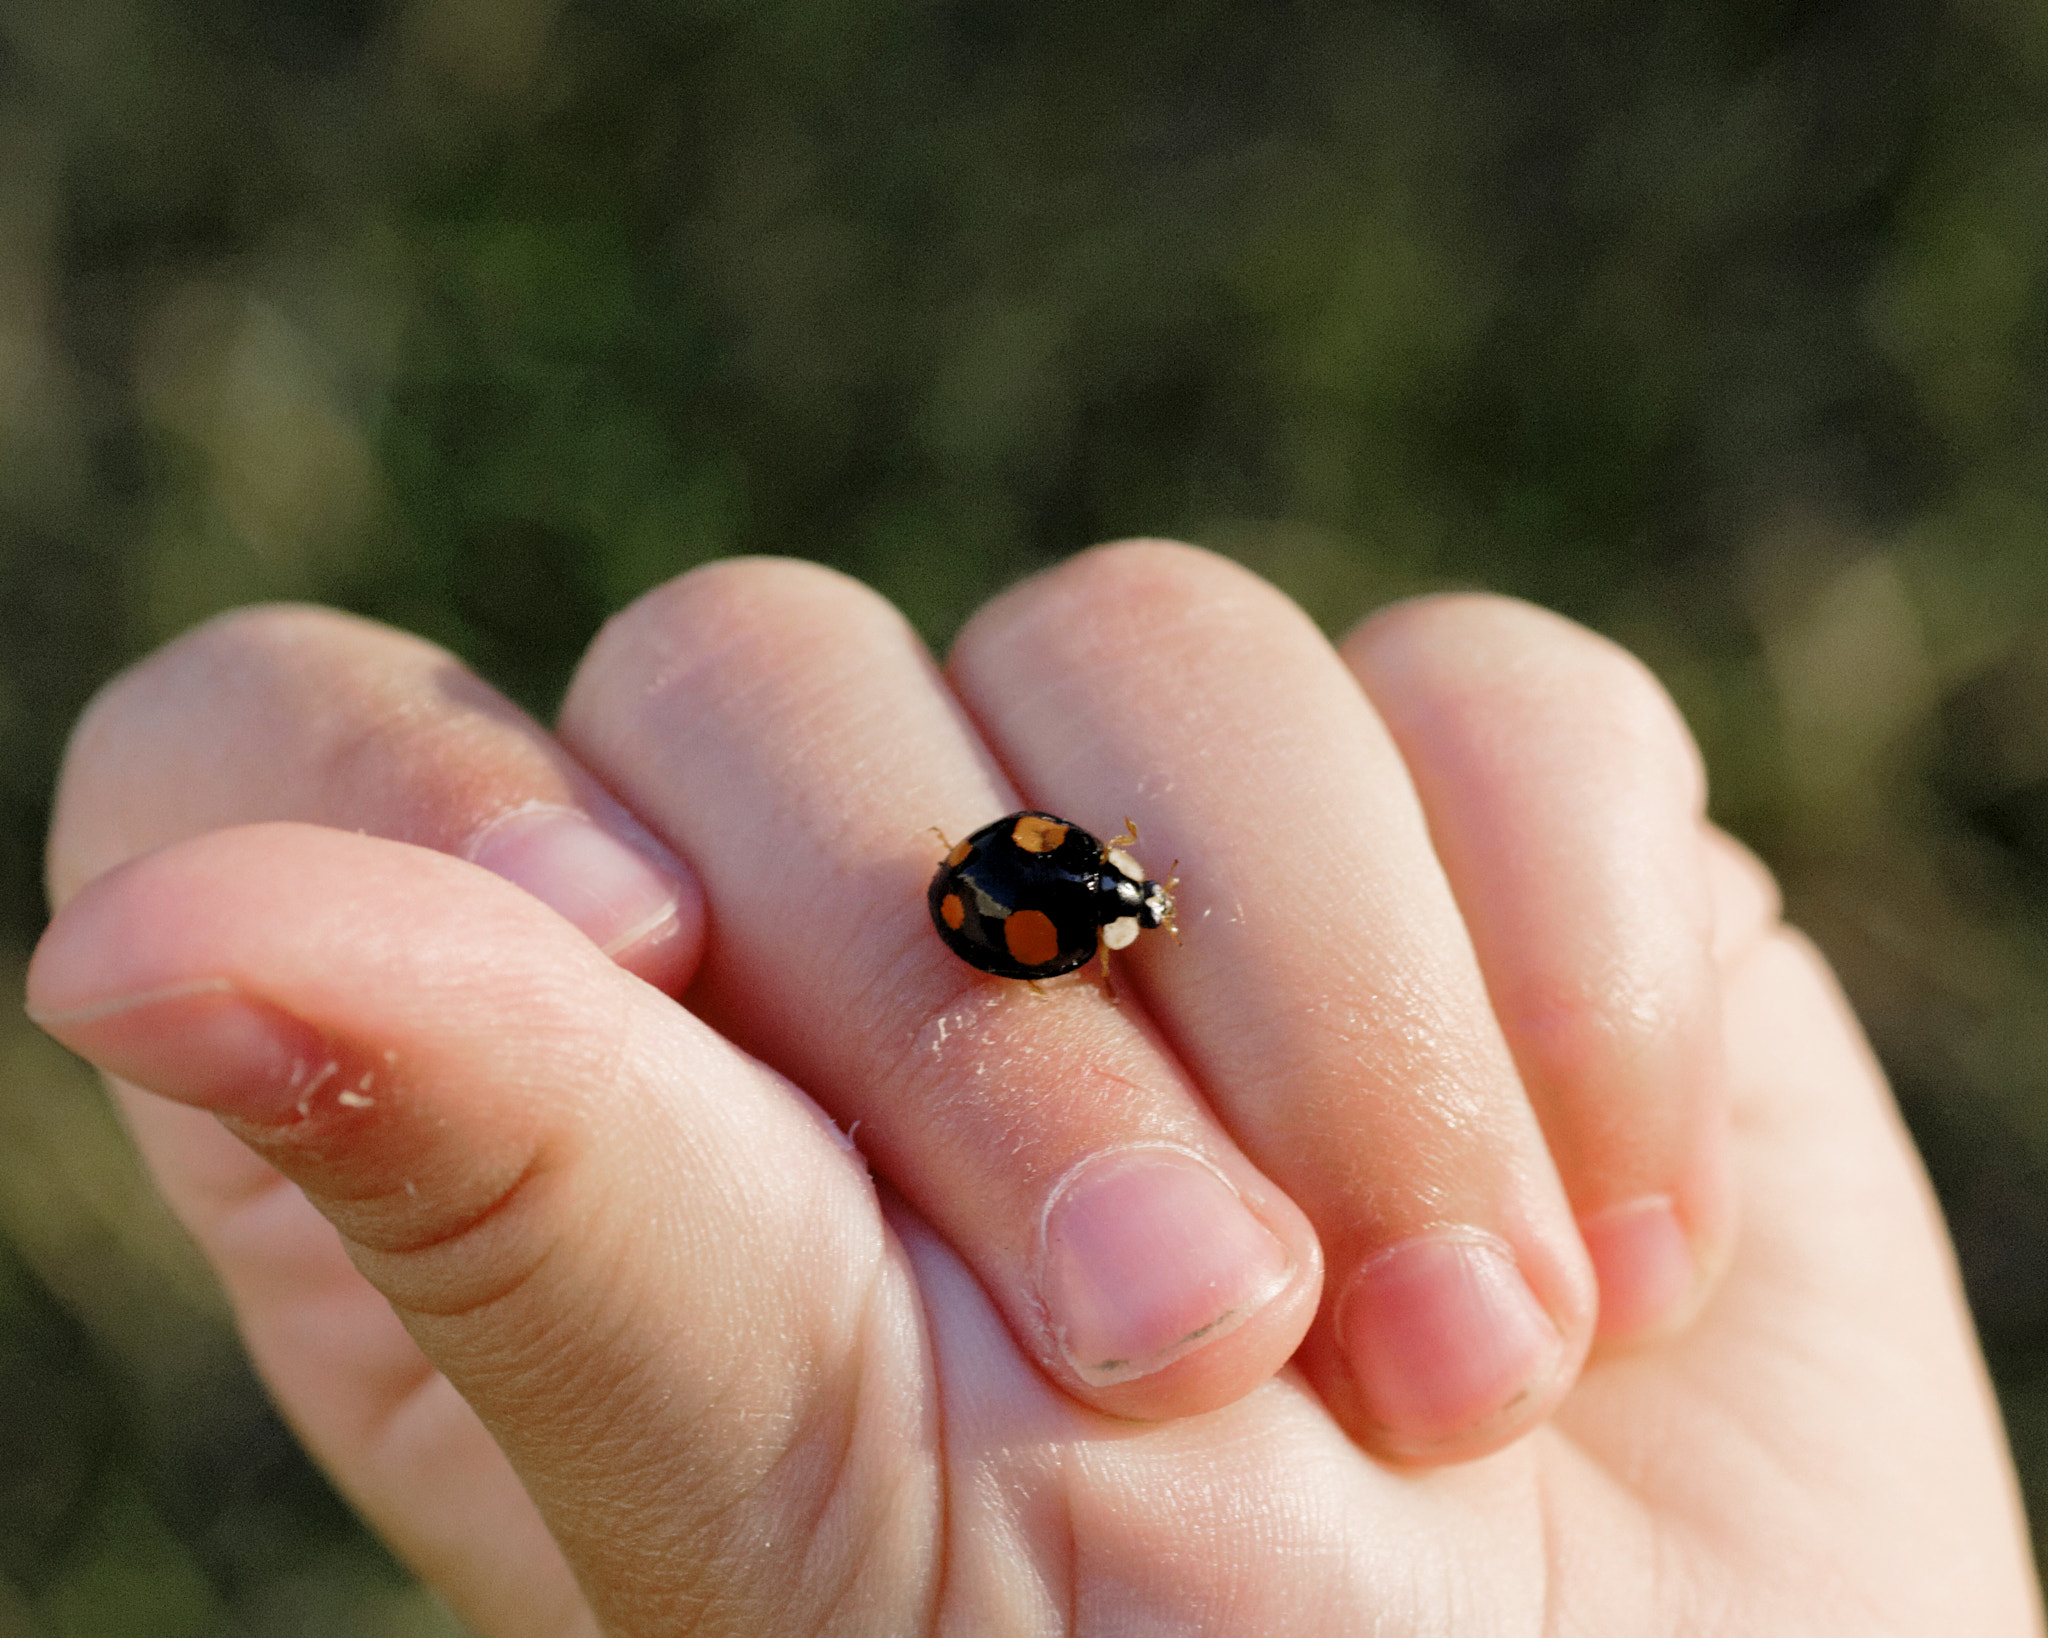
x: 941, y: 835
x: 1129, y: 836
x: 1108, y: 983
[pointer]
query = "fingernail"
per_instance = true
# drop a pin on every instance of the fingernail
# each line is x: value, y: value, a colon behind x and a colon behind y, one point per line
x: 1149, y: 1255
x: 1645, y: 1266
x: 616, y: 894
x: 205, y: 1043
x: 1443, y: 1334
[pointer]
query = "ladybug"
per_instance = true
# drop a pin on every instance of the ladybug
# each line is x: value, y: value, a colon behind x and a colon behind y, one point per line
x: 1034, y: 896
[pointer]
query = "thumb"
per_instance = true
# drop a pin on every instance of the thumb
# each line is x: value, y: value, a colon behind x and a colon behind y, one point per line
x: 648, y: 1262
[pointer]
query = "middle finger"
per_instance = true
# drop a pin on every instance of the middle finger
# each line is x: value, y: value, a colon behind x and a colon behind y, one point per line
x: 1328, y: 997
x: 784, y: 729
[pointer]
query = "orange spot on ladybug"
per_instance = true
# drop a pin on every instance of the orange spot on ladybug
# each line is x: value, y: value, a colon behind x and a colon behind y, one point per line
x: 959, y: 857
x: 1032, y: 938
x: 951, y: 908
x: 1036, y: 834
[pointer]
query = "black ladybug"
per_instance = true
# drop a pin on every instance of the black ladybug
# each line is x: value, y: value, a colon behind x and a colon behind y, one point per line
x: 1033, y: 896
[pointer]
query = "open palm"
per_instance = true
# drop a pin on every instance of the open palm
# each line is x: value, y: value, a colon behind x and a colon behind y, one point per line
x: 1487, y: 1221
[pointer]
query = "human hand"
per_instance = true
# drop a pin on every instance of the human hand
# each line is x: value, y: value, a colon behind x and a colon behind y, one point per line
x: 1468, y: 992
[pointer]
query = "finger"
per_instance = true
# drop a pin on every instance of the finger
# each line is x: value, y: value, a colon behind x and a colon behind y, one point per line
x: 302, y: 713
x: 405, y: 1449
x: 647, y: 1262
x: 1841, y: 1322
x: 786, y: 731
x: 1326, y: 997
x: 1565, y: 800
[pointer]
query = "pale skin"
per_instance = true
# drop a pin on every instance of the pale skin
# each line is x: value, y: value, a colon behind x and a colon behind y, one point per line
x: 1487, y: 1220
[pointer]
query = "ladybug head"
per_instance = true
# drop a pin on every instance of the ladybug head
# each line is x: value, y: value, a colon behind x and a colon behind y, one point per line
x: 1155, y: 904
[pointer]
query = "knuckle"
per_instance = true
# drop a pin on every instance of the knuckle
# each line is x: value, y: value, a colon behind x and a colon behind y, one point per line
x: 1146, y: 557
x: 1160, y: 580
x: 1572, y: 1034
x: 1103, y: 605
x: 464, y: 1258
x: 265, y: 630
x: 244, y: 654
x: 1512, y: 662
x: 444, y: 1216
x: 1597, y: 1045
x: 714, y: 620
x: 121, y: 783
x: 289, y: 711
x: 747, y: 593
x: 245, y: 646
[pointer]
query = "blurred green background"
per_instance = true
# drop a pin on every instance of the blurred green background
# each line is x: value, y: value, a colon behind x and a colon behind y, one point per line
x: 1723, y: 329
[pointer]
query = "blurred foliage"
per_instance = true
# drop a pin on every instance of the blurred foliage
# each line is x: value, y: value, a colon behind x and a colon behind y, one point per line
x: 1722, y: 329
